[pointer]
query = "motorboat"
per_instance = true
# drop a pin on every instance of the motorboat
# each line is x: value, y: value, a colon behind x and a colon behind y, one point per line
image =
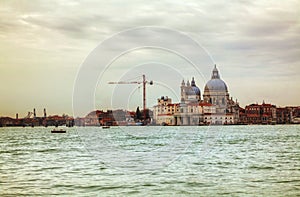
x: 58, y: 131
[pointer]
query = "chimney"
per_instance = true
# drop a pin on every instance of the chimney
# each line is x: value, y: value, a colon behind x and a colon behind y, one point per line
x: 45, y: 114
x: 34, y: 114
x: 17, y: 116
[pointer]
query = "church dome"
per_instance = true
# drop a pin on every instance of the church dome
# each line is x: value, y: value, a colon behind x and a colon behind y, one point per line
x: 194, y: 89
x: 215, y: 84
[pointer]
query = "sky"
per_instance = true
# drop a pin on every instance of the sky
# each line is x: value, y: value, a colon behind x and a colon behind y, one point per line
x: 44, y: 46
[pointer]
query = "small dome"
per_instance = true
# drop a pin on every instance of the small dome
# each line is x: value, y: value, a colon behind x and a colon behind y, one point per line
x: 194, y: 89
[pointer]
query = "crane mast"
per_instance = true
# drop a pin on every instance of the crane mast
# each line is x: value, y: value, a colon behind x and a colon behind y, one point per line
x: 144, y: 96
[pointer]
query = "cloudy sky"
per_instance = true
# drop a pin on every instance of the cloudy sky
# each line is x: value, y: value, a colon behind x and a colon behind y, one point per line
x: 43, y: 44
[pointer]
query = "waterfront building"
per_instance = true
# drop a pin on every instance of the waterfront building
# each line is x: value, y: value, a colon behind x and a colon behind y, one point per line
x: 92, y: 119
x: 295, y: 115
x: 189, y: 111
x: 212, y: 117
x: 215, y: 108
x: 216, y: 93
x: 283, y: 115
x: 106, y: 118
x: 6, y: 121
x: 117, y: 117
x: 189, y: 114
x: 56, y: 120
x: 242, y: 116
x: 261, y: 114
x: 286, y: 115
x: 129, y: 117
x: 163, y: 112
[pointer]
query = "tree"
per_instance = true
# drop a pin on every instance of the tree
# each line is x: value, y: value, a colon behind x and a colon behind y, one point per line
x: 138, y: 114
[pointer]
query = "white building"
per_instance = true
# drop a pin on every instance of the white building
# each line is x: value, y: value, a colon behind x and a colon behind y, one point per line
x: 215, y: 108
x: 216, y: 93
x: 163, y: 113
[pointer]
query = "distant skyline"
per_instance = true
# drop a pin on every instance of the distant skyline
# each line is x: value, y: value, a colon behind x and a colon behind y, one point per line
x: 255, y: 44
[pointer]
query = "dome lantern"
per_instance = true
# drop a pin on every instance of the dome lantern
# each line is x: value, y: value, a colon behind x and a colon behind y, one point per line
x: 215, y: 73
x: 193, y: 82
x: 188, y: 83
x: 183, y: 83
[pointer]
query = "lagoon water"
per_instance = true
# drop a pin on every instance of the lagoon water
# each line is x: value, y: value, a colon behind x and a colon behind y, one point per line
x: 251, y: 160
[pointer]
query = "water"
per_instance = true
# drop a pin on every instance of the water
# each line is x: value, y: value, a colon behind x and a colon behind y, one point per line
x: 164, y: 161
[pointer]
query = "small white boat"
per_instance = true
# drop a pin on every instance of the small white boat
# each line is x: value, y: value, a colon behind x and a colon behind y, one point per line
x: 139, y: 124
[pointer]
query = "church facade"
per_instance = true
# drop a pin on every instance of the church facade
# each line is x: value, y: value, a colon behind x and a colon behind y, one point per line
x: 216, y: 107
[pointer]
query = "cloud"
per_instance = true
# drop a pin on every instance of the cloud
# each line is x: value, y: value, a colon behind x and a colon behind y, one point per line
x: 248, y: 39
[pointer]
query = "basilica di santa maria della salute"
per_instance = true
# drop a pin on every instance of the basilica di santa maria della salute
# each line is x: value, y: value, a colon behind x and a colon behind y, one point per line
x: 216, y: 107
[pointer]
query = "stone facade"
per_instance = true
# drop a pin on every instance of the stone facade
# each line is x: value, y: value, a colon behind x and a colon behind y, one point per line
x: 215, y: 108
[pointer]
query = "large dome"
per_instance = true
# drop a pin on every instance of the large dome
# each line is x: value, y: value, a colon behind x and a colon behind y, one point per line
x: 216, y: 85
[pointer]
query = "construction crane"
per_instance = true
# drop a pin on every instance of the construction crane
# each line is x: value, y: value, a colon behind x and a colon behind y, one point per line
x: 28, y: 115
x: 144, y: 82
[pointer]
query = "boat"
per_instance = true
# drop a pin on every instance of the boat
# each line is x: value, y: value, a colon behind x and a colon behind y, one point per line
x: 139, y: 124
x: 58, y: 131
x: 105, y: 127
